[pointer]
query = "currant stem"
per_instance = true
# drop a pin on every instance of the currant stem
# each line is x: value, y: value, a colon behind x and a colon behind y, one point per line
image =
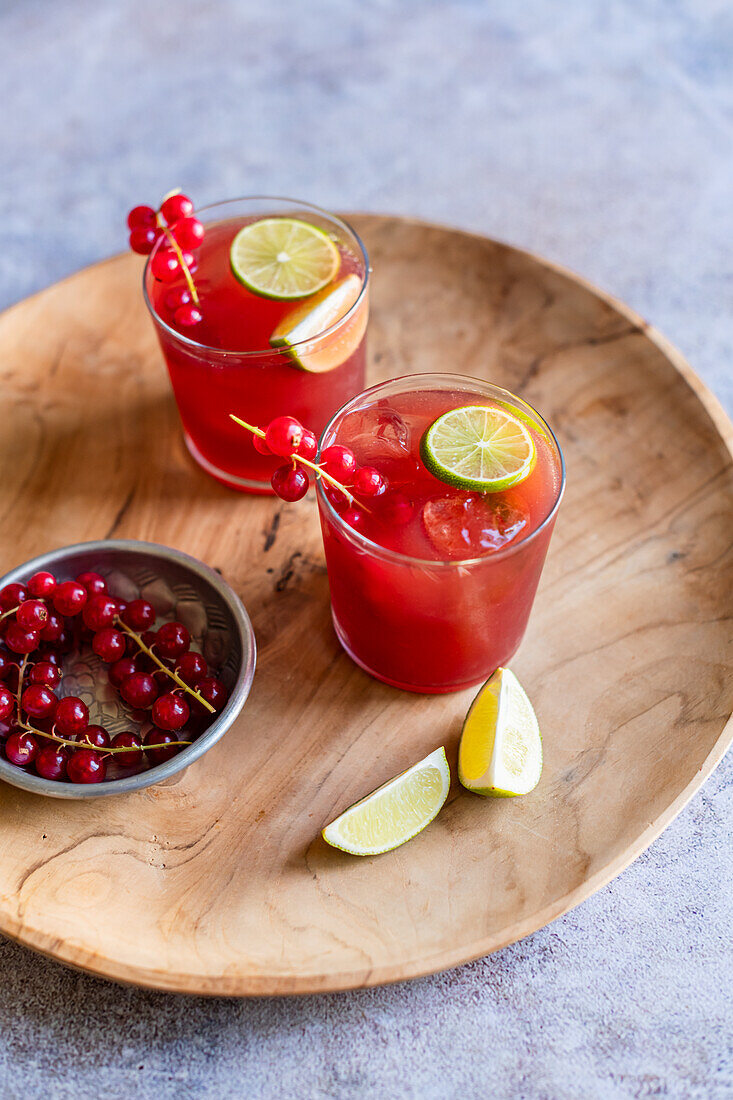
x: 11, y: 612
x: 21, y: 674
x: 81, y: 744
x: 164, y: 668
x: 179, y: 253
x: 319, y: 472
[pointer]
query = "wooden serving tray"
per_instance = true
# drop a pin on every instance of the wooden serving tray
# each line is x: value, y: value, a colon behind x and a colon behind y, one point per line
x: 219, y: 883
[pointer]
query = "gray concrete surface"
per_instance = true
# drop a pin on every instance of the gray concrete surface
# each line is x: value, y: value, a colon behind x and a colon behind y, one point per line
x: 598, y: 134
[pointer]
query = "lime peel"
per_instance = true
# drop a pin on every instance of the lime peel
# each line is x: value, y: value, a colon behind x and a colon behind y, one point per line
x: 395, y: 812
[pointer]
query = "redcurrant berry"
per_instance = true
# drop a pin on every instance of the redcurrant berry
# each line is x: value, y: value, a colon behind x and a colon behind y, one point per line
x: 190, y: 261
x: 140, y: 216
x: 44, y: 672
x: 12, y: 595
x: 188, y: 316
x: 354, y: 517
x: 164, y: 265
x: 6, y: 664
x: 100, y: 612
x: 339, y: 501
x: 161, y: 737
x: 53, y: 629
x: 368, y: 482
x: 33, y: 614
x: 124, y: 741
x: 20, y: 639
x: 284, y: 435
x: 339, y: 462
x: 189, y: 232
x: 170, y: 712
x: 308, y: 447
x: 51, y: 762
x: 177, y: 297
x: 41, y: 585
x: 96, y: 737
x: 86, y: 766
x: 139, y: 690
x: 213, y: 691
x: 21, y: 749
x: 260, y: 445
x: 192, y: 668
x: 290, y: 483
x: 142, y: 239
x: 176, y: 207
x: 7, y: 703
x: 139, y: 615
x: 109, y: 644
x: 94, y: 584
x: 69, y: 598
x: 120, y: 670
x: 38, y: 701
x: 72, y: 716
x: 172, y: 640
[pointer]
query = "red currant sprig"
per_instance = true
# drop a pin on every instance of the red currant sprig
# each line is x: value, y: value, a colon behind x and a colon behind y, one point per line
x: 338, y: 469
x: 184, y: 233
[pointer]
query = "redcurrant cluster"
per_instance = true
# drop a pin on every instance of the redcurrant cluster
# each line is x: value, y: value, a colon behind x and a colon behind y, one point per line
x: 351, y: 489
x: 155, y: 671
x: 183, y: 234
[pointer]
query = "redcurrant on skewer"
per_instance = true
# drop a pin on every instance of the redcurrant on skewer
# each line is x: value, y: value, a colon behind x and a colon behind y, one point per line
x: 188, y: 316
x: 284, y: 435
x: 339, y: 462
x: 260, y: 445
x: 189, y: 232
x: 290, y: 483
x: 336, y: 497
x: 354, y: 517
x: 165, y: 265
x: 176, y: 207
x: 142, y: 239
x: 177, y: 297
x: 140, y: 216
x: 308, y: 447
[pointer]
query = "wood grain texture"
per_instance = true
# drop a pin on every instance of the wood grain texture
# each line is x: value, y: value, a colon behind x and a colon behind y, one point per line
x: 219, y: 883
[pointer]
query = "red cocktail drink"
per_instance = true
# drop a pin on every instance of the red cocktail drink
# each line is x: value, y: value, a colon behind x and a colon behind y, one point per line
x: 228, y: 361
x: 434, y: 588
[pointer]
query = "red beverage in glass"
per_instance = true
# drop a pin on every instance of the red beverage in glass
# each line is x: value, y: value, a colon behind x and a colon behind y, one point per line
x: 226, y: 363
x: 434, y: 590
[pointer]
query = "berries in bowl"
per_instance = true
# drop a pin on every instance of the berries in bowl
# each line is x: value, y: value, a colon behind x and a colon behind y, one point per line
x: 121, y: 662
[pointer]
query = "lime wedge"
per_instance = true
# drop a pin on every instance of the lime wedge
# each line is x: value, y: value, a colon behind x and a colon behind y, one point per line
x: 395, y: 812
x: 298, y: 330
x: 480, y: 447
x: 500, y: 753
x: 283, y: 258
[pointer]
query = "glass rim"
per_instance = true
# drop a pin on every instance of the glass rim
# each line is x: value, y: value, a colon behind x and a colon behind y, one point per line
x: 376, y: 549
x: 196, y: 344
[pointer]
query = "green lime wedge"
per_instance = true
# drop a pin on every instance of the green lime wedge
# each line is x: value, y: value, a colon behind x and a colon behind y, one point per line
x: 283, y: 258
x: 394, y: 813
x: 481, y: 447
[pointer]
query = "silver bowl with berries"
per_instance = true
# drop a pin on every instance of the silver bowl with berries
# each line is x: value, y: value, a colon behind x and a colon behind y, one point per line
x: 121, y: 663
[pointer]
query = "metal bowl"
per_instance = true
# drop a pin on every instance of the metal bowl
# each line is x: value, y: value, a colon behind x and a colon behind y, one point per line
x: 179, y: 587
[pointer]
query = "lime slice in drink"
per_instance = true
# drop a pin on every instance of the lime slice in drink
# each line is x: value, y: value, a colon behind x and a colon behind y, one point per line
x: 500, y: 753
x: 482, y: 447
x: 395, y: 812
x: 283, y: 258
x: 297, y: 332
